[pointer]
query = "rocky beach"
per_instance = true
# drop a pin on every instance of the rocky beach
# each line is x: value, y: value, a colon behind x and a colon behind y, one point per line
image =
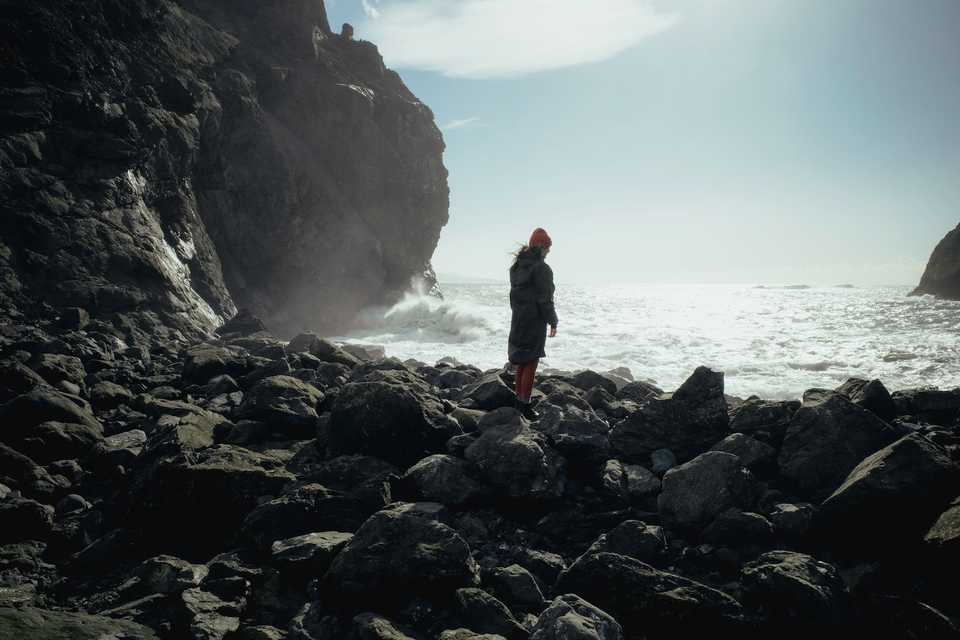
x: 173, y: 469
x: 249, y: 487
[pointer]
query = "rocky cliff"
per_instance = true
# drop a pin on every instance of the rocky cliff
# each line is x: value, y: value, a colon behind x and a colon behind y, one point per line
x: 163, y: 163
x: 942, y: 275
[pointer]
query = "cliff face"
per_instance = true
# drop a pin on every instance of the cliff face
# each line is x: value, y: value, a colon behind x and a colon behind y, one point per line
x: 162, y: 163
x: 942, y: 275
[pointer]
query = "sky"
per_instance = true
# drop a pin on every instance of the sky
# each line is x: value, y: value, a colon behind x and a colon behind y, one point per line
x: 687, y: 141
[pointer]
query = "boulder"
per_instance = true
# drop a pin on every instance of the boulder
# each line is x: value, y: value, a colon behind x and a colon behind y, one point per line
x: 388, y: 421
x: 629, y: 482
x: 16, y: 379
x: 941, y: 277
x: 56, y: 368
x: 871, y: 395
x: 518, y: 461
x: 638, y: 392
x: 244, y: 323
x: 362, y: 477
x: 935, y: 406
x: 42, y: 624
x: 22, y: 473
x: 304, y: 509
x: 484, y: 613
x: 50, y: 441
x: 696, y: 492
x: 108, y: 395
x: 372, y: 626
x: 647, y: 602
x: 795, y: 590
x: 899, y: 490
x: 489, y: 393
x: 205, y: 361
x: 25, y: 519
x: 943, y: 538
x: 166, y: 574
x: 755, y: 455
x: 826, y: 439
x: 739, y: 529
x: 43, y: 404
x: 285, y: 403
x: 635, y: 539
x: 587, y: 380
x: 454, y: 379
x: 445, y: 479
x: 397, y: 554
x: 211, y: 614
x: 687, y: 422
x: 764, y: 418
x: 515, y: 586
x: 570, y: 617
x: 320, y: 348
x: 577, y: 434
x: 308, y: 555
x: 192, y: 502
x: 793, y: 521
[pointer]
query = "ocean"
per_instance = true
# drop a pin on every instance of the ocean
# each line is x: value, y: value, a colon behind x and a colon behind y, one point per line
x: 774, y: 342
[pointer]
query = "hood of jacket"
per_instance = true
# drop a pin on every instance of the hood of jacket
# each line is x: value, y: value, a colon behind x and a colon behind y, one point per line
x: 525, y: 266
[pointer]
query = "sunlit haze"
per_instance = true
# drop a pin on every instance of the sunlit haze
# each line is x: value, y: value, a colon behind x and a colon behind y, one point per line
x: 741, y: 141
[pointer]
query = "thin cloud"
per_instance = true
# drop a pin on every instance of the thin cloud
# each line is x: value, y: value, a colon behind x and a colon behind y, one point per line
x: 459, y: 124
x: 498, y: 38
x: 371, y: 11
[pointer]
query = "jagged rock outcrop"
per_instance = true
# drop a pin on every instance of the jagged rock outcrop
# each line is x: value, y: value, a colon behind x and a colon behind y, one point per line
x: 162, y: 163
x: 942, y: 275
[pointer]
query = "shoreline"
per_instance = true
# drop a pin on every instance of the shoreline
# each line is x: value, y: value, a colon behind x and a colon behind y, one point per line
x: 261, y: 486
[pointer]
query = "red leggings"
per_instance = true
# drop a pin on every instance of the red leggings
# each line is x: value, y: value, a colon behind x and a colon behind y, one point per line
x: 523, y: 383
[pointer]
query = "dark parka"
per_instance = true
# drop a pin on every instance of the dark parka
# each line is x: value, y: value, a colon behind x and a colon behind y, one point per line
x: 531, y: 300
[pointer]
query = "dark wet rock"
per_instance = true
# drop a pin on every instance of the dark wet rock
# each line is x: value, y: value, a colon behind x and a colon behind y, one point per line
x: 398, y: 554
x: 363, y: 477
x: 305, y: 509
x: 41, y: 624
x: 545, y: 566
x: 322, y: 349
x: 73, y: 319
x: 454, y: 378
x: 943, y: 538
x: 766, y: 419
x: 827, y: 438
x: 166, y: 574
x: 793, y: 521
x: 579, y: 435
x: 588, y: 379
x: 40, y: 405
x: 176, y: 413
x: 261, y: 345
x: 373, y: 626
x: 242, y: 324
x: 934, y: 406
x: 629, y: 482
x: 482, y: 612
x: 518, y: 461
x: 871, y: 395
x: 16, y: 378
x: 389, y: 421
x: 740, y: 529
x: 900, y: 490
x: 467, y: 634
x: 206, y: 361
x: 661, y: 461
x: 516, y: 587
x: 696, y: 492
x: 25, y: 519
x: 636, y: 539
x: 941, y: 277
x: 309, y: 554
x: 795, y: 590
x: 123, y: 448
x: 195, y: 500
x: 108, y: 395
x: 51, y: 441
x: 570, y: 617
x: 365, y: 352
x: 754, y: 454
x: 490, y: 393
x: 22, y: 473
x: 211, y: 613
x: 687, y: 422
x: 638, y: 392
x: 219, y: 385
x: 264, y: 368
x: 56, y: 368
x: 71, y: 504
x: 890, y: 617
x: 446, y: 479
x: 284, y: 402
x: 648, y: 602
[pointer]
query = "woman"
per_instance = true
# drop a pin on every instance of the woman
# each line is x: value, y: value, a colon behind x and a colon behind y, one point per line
x: 531, y: 300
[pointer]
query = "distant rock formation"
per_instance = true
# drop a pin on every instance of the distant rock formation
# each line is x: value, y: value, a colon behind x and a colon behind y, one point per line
x: 942, y: 275
x: 162, y: 163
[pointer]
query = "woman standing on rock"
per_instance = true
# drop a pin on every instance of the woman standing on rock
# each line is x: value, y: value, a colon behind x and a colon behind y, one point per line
x: 531, y: 300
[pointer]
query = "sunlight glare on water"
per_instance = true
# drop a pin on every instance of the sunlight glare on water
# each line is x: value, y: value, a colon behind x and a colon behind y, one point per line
x: 772, y: 342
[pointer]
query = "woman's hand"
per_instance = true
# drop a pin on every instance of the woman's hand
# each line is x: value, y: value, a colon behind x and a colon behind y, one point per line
x: 553, y: 331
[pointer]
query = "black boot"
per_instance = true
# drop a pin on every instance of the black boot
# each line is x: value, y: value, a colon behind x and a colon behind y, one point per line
x: 527, y: 411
